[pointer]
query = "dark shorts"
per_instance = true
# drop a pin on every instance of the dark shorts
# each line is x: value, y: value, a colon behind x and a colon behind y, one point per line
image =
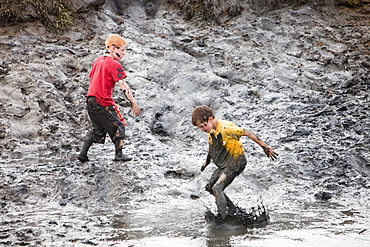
x: 230, y: 176
x: 105, y: 119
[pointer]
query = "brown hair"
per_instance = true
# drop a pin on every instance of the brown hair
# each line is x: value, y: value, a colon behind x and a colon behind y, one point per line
x: 201, y: 114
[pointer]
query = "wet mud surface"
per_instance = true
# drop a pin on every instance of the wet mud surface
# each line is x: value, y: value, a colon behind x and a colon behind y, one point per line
x: 51, y: 202
x: 300, y: 83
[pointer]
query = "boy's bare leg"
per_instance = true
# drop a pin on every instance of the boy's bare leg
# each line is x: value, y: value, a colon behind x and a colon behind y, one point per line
x: 222, y: 200
x: 218, y: 182
x: 221, y: 203
x: 231, y: 206
x: 224, y: 205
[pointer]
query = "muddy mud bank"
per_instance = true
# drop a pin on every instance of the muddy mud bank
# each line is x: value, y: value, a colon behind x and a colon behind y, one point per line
x: 297, y: 77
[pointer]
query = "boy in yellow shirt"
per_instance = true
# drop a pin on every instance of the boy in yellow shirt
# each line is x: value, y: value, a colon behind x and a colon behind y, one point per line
x: 226, y: 151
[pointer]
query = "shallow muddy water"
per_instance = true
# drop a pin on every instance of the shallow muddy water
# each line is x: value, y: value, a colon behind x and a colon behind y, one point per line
x: 148, y: 202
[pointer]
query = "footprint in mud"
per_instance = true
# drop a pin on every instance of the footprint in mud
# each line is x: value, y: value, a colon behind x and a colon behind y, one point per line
x: 253, y: 217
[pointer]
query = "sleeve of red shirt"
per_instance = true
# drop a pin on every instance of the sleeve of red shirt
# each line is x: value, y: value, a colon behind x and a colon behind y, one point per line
x: 114, y: 67
x: 117, y: 72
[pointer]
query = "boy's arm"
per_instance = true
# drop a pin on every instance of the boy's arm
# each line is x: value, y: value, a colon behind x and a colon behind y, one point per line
x: 268, y: 151
x: 126, y: 90
x: 208, y: 160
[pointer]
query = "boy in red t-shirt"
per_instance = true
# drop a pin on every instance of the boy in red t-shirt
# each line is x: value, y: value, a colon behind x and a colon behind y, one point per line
x: 104, y: 114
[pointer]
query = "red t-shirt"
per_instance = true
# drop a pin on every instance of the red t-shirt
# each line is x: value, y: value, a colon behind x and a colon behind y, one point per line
x: 104, y: 74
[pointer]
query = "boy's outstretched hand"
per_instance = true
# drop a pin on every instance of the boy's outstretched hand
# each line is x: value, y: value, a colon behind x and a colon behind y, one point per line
x: 270, y: 152
x: 136, y: 109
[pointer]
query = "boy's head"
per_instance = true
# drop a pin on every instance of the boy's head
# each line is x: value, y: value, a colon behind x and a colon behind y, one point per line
x: 115, y: 40
x: 201, y: 116
x: 116, y: 46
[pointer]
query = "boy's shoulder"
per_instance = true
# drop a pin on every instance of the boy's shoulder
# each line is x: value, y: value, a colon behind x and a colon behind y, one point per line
x: 106, y: 61
x: 225, y: 123
x: 228, y: 126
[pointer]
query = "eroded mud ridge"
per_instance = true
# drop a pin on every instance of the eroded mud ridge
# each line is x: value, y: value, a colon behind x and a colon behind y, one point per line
x: 297, y: 77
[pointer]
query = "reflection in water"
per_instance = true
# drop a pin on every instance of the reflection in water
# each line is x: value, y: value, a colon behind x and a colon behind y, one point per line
x: 219, y: 235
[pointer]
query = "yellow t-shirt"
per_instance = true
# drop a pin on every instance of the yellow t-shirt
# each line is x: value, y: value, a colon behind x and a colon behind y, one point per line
x: 225, y: 147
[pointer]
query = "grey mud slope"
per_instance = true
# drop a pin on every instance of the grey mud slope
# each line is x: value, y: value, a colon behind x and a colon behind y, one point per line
x: 297, y: 79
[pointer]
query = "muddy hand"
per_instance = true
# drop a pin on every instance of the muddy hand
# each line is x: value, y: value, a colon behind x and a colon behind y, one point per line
x: 203, y: 167
x: 136, y: 110
x: 270, y: 152
x: 206, y: 163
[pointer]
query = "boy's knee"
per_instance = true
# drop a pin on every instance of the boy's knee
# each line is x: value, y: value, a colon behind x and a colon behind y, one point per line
x: 217, y: 188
